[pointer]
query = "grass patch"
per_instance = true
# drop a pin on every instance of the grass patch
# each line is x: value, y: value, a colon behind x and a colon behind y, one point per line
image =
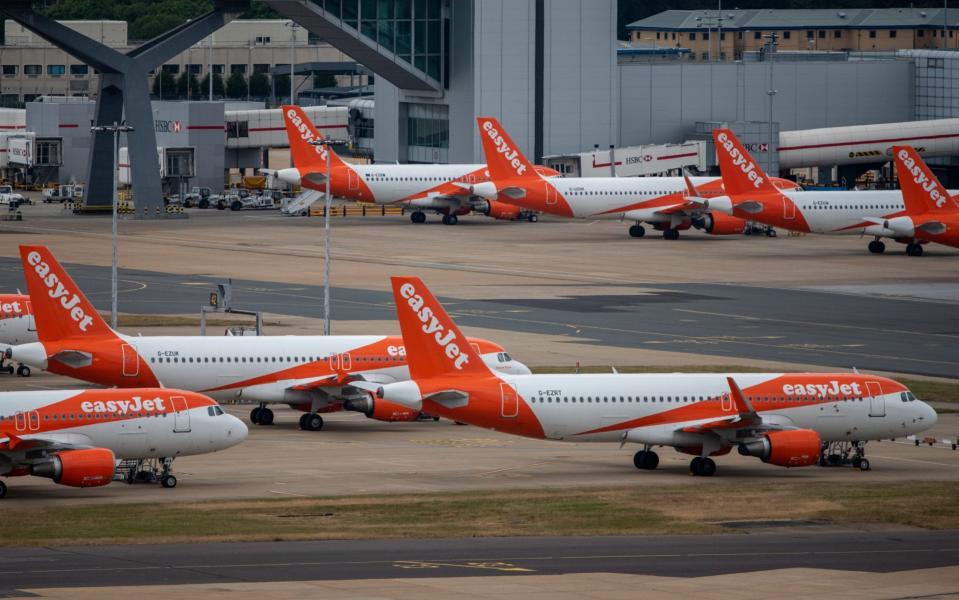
x: 934, y: 391
x: 626, y: 510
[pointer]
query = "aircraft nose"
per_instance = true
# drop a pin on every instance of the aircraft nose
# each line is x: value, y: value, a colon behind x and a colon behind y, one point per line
x: 236, y: 430
x: 930, y: 416
x: 521, y: 369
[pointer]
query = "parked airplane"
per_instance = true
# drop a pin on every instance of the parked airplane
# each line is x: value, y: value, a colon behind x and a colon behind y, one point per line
x: 16, y: 327
x: 445, y: 189
x: 663, y: 202
x: 77, y: 437
x: 752, y: 196
x: 309, y: 373
x: 932, y: 214
x: 784, y: 419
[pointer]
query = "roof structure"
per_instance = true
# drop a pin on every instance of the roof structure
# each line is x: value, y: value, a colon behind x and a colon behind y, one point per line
x: 834, y: 18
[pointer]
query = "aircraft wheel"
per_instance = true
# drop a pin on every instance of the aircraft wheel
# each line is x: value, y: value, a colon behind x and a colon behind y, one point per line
x: 707, y: 468
x: 877, y: 247
x: 255, y: 415
x: 450, y: 219
x: 314, y: 422
x: 418, y: 217
x: 694, y: 465
x: 168, y: 481
x: 265, y: 417
x: 646, y: 460
x: 914, y: 249
x: 532, y: 218
x: 303, y: 425
x: 3, y: 490
x: 670, y: 234
x: 23, y: 371
x: 637, y: 231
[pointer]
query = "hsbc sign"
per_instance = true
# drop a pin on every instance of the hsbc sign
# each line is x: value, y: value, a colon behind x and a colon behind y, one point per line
x: 757, y: 147
x: 167, y: 126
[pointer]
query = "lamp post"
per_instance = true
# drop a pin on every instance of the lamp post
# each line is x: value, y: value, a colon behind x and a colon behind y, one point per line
x: 116, y: 129
x: 771, y: 92
x: 327, y: 248
x: 292, y: 25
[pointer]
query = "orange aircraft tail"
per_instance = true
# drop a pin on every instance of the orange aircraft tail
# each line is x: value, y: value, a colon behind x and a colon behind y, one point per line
x: 435, y: 346
x: 503, y: 157
x: 741, y: 174
x: 921, y: 190
x: 60, y: 310
x: 301, y: 131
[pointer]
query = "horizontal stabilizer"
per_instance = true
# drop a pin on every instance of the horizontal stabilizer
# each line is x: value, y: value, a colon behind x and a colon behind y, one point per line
x: 750, y: 206
x: 450, y: 398
x: 315, y: 178
x: 74, y: 359
x: 516, y: 193
x: 933, y: 227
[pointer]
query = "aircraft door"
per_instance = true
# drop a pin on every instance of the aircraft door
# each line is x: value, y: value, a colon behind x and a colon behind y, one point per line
x: 346, y: 361
x: 510, y: 401
x: 551, y: 193
x: 333, y: 361
x: 181, y: 415
x: 131, y: 361
x: 353, y: 179
x: 789, y: 209
x: 727, y: 402
x: 877, y: 402
x: 20, y: 421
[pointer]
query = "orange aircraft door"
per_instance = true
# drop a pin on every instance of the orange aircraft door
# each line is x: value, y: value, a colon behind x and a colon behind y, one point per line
x: 20, y: 421
x: 333, y: 361
x: 131, y: 361
x: 727, y: 401
x: 34, y: 420
x: 510, y: 401
x: 877, y: 402
x: 346, y: 361
x: 789, y: 209
x: 551, y: 194
x: 181, y: 415
x: 354, y: 180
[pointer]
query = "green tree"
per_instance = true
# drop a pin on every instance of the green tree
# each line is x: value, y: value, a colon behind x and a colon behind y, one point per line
x: 259, y: 85
x: 165, y: 83
x: 323, y: 79
x: 281, y: 85
x: 183, y: 85
x: 236, y: 86
x: 218, y: 86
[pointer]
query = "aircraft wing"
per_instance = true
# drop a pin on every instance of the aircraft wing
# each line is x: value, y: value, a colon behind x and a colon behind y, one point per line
x: 305, y: 385
x: 10, y: 442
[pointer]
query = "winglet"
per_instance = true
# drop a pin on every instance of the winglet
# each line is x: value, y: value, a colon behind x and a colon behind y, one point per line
x: 743, y: 406
x: 921, y: 190
x: 12, y: 440
x: 60, y: 310
x: 435, y: 346
x: 741, y: 173
x: 503, y: 157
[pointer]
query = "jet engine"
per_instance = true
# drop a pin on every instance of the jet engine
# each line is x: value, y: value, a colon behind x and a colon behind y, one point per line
x: 501, y: 210
x: 382, y: 410
x: 791, y: 448
x: 716, y: 223
x: 78, y: 468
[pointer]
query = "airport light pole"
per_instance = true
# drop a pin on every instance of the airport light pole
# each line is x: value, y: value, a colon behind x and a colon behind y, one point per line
x: 116, y: 129
x: 327, y: 241
x: 771, y: 92
x: 292, y: 25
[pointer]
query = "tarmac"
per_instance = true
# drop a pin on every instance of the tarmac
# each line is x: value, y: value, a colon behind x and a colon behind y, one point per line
x: 554, y: 293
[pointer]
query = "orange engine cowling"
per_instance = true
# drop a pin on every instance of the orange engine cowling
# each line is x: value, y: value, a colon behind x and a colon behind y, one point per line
x: 716, y: 223
x: 501, y: 210
x: 78, y: 468
x: 382, y: 410
x: 791, y: 448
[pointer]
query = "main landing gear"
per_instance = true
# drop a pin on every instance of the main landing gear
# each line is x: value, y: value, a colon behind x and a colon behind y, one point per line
x: 450, y: 219
x: 261, y: 415
x: 877, y: 247
x: 311, y: 422
x: 147, y: 471
x: 671, y: 234
x: 843, y: 454
x: 647, y: 460
x: 914, y: 249
x: 637, y: 231
x: 702, y: 466
x: 3, y: 490
x: 418, y: 217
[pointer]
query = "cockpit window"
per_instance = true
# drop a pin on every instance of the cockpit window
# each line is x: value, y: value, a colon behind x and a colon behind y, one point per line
x: 506, y: 357
x: 903, y: 397
x: 911, y: 396
x: 214, y: 411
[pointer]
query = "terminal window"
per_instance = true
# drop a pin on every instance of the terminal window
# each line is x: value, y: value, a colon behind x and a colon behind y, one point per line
x: 79, y: 69
x: 10, y: 69
x: 428, y: 133
x: 32, y: 69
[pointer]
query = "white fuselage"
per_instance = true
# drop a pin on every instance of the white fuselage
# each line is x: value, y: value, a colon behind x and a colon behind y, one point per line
x: 192, y: 431
x: 569, y: 405
x: 17, y: 330
x: 616, y: 197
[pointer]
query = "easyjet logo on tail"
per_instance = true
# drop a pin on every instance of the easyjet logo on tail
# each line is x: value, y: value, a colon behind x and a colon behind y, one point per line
x: 929, y: 185
x: 306, y: 135
x: 69, y: 300
x: 741, y: 161
x: 502, y: 146
x: 443, y: 337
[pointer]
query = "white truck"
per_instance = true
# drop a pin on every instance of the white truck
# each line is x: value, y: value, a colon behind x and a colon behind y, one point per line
x: 10, y: 197
x: 242, y: 199
x: 62, y: 193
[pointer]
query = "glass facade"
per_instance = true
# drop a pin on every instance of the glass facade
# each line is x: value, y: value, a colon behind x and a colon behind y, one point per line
x: 410, y: 29
x: 428, y: 133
